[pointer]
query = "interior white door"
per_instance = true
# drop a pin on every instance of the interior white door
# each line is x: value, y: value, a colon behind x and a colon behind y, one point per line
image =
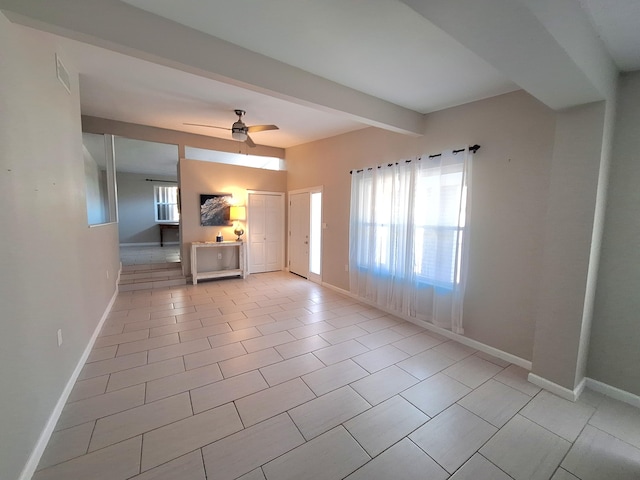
x: 274, y: 227
x: 257, y: 233
x: 265, y: 232
x: 299, y: 227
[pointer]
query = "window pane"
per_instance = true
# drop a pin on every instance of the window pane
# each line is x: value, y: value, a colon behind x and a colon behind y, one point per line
x: 166, y: 200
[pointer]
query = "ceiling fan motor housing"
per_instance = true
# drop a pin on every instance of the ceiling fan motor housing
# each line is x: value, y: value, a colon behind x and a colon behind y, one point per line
x: 239, y: 127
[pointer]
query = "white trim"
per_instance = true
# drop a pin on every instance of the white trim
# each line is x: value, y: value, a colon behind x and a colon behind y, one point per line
x: 507, y: 357
x: 147, y: 244
x: 559, y: 390
x: 319, y: 188
x: 95, y: 225
x: 265, y: 192
x: 613, y: 392
x: 36, y: 454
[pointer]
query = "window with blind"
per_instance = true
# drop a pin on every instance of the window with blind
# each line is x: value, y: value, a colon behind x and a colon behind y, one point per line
x: 408, y: 237
x: 166, y: 203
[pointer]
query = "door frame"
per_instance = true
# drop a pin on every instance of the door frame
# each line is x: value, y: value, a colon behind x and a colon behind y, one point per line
x: 282, y: 196
x: 310, y: 190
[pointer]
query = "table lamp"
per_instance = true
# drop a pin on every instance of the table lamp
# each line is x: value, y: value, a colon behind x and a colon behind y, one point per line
x: 236, y: 214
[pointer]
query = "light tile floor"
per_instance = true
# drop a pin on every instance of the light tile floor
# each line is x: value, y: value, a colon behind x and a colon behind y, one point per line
x: 276, y: 378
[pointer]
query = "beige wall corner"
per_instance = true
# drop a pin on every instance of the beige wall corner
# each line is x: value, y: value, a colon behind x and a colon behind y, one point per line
x: 571, y: 244
x: 614, y: 355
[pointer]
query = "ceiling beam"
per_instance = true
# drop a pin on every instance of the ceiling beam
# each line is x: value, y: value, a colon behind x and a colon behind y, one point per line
x: 547, y: 47
x: 125, y: 29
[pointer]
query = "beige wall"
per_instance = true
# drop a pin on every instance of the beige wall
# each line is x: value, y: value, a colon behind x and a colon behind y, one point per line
x: 511, y: 180
x: 197, y: 177
x: 563, y: 310
x: 614, y: 353
x: 51, y: 274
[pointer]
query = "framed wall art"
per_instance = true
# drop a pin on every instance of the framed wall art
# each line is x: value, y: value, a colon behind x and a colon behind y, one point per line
x: 214, y: 209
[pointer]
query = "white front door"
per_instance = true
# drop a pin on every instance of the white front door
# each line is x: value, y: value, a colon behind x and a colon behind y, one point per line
x: 299, y: 227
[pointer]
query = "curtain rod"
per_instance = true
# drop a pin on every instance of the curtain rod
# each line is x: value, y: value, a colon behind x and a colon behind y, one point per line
x: 472, y: 149
x: 153, y: 180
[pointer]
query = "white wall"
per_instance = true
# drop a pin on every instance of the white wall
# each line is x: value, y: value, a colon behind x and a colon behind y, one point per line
x: 53, y: 268
x: 614, y: 352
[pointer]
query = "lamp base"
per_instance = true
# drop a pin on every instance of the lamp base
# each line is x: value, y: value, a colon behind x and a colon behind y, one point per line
x: 239, y: 232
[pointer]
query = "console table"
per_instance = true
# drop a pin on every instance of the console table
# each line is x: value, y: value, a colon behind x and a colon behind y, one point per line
x: 166, y: 226
x: 220, y: 248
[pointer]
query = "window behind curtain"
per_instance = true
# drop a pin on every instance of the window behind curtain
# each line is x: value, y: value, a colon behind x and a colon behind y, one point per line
x: 439, y: 225
x: 166, y: 203
x: 407, y: 237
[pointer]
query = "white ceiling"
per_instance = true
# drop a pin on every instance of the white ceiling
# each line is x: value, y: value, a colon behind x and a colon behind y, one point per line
x: 618, y: 24
x: 120, y: 87
x: 379, y: 47
x: 320, y: 68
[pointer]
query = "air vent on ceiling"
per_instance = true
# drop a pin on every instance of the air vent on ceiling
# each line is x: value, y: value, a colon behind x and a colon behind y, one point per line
x: 63, y: 74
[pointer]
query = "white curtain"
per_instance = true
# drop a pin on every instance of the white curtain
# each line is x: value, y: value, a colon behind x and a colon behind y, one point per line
x: 408, y: 238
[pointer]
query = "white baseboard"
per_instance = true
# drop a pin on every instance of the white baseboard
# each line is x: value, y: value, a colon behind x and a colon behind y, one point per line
x: 507, y: 357
x: 32, y: 463
x: 559, y: 390
x: 563, y: 392
x: 613, y: 392
x: 608, y: 390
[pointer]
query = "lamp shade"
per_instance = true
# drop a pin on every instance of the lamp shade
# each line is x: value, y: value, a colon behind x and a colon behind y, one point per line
x: 237, y: 213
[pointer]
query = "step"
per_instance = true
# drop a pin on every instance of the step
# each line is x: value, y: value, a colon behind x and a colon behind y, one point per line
x: 137, y: 268
x: 145, y: 285
x: 151, y: 274
x: 155, y: 275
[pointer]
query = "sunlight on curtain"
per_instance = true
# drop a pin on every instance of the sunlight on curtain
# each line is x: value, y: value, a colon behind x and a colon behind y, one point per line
x: 408, y: 240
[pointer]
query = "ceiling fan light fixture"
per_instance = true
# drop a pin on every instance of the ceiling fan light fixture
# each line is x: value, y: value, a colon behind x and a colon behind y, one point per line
x: 239, y: 134
x: 239, y: 131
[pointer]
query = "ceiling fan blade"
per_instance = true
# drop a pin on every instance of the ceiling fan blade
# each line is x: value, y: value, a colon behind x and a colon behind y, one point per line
x: 209, y: 126
x: 262, y: 128
x: 249, y: 142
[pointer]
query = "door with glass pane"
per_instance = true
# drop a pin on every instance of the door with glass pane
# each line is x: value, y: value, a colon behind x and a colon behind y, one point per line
x: 305, y: 233
x: 299, y: 225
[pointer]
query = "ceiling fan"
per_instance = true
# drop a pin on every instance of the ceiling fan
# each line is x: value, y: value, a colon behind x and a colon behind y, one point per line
x: 240, y: 131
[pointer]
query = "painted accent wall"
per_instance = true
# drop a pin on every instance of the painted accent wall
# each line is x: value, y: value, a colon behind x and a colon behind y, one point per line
x: 197, y: 177
x: 136, y: 214
x: 511, y: 176
x: 53, y: 266
x: 614, y: 350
